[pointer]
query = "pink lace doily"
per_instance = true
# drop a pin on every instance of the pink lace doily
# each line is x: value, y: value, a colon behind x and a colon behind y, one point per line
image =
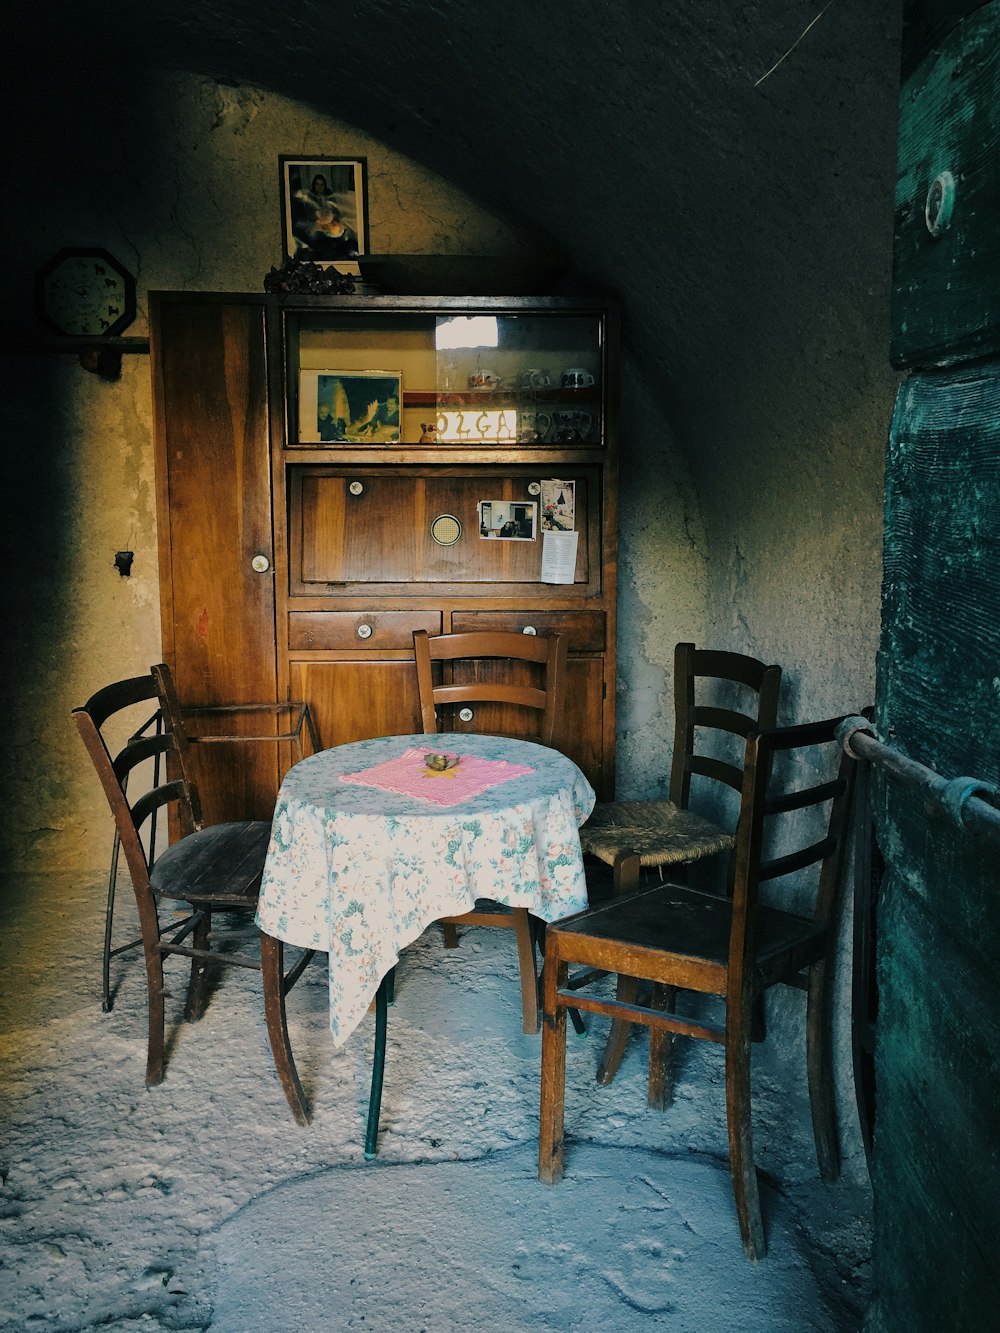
x: 408, y: 775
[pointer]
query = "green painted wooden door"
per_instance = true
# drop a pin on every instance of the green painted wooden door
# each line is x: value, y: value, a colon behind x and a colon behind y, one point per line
x: 936, y: 1162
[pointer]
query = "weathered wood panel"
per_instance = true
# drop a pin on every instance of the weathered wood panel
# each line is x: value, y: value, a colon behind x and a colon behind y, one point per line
x: 937, y: 1149
x: 213, y: 469
x: 946, y: 282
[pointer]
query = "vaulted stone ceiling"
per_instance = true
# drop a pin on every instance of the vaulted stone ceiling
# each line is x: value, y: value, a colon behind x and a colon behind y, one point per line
x: 634, y: 137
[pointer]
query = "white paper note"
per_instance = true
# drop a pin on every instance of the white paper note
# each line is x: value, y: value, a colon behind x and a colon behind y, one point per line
x: 559, y: 556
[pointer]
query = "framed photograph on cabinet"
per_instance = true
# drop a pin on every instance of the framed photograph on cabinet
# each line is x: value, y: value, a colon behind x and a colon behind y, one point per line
x: 349, y: 406
x: 324, y: 210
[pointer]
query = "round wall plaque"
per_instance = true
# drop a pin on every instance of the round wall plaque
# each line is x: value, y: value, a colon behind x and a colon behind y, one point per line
x: 446, y: 529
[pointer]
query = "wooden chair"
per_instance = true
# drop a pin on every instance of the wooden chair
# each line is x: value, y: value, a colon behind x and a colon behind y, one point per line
x: 681, y: 939
x: 709, y: 742
x: 209, y: 869
x: 170, y: 714
x: 520, y: 671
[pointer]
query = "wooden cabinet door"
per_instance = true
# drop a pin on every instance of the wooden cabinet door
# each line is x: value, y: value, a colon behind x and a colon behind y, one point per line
x: 214, y: 518
x: 354, y: 701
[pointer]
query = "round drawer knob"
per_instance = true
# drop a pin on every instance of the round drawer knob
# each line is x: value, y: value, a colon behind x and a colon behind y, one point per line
x: 365, y: 631
x: 465, y: 715
x: 529, y: 629
x: 260, y: 564
x: 357, y: 488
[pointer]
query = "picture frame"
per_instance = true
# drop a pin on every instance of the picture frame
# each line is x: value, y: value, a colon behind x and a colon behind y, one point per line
x: 324, y: 210
x: 350, y: 406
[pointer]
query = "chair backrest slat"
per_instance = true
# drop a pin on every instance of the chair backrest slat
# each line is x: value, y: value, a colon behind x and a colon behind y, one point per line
x: 483, y: 654
x: 700, y: 722
x: 750, y: 867
x: 706, y: 767
x: 137, y: 751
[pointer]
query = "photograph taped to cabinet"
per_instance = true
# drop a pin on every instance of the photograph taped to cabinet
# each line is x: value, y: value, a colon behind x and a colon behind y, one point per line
x: 558, y: 506
x: 507, y: 520
x: 349, y: 406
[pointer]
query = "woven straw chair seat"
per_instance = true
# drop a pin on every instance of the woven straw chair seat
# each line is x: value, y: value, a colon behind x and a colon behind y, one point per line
x: 659, y: 832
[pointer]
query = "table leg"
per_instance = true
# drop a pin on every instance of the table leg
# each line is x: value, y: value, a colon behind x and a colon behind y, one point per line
x: 378, y: 1062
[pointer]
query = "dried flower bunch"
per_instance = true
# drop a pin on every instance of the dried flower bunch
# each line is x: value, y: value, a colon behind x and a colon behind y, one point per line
x: 304, y: 277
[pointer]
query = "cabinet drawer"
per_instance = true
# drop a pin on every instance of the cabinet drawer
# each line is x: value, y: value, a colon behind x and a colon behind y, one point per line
x: 318, y: 631
x: 584, y: 630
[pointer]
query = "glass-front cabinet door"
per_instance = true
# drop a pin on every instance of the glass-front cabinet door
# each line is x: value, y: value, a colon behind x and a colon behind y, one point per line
x: 514, y: 378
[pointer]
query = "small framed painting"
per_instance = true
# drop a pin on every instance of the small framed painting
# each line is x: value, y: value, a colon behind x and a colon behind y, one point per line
x: 324, y: 209
x: 349, y: 406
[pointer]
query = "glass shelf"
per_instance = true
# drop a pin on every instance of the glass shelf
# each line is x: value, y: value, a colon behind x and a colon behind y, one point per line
x: 401, y: 377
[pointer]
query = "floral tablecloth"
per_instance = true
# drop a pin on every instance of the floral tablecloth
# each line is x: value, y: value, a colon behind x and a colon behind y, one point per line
x: 360, y: 872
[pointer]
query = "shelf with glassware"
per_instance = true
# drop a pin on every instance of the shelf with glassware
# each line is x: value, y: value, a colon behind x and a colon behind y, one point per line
x: 525, y: 377
x: 500, y: 416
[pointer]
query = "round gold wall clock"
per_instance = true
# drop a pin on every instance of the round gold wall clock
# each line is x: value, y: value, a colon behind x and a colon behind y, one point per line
x: 85, y: 292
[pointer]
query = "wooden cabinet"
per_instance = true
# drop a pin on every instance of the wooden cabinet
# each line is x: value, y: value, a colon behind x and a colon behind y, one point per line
x: 335, y: 472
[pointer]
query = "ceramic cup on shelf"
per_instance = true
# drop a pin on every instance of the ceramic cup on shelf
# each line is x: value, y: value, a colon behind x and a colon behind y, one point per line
x: 577, y: 378
x: 533, y: 379
x: 533, y: 427
x: 570, y: 427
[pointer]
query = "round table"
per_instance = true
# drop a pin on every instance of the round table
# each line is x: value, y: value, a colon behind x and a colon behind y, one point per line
x: 360, y: 871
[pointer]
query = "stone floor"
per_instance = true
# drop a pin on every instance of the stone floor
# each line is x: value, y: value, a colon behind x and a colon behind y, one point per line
x: 200, y: 1205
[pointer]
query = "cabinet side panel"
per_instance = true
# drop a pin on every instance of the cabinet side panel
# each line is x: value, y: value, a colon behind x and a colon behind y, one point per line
x: 214, y: 517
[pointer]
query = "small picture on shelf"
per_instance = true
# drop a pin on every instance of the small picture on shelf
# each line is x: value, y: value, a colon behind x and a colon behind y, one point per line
x: 349, y: 406
x: 324, y: 213
x: 507, y: 520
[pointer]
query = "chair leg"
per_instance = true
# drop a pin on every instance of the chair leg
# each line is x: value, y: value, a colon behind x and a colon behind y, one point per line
x: 820, y: 1075
x: 758, y: 1020
x: 661, y: 1051
x: 106, y: 1000
x: 627, y: 992
x: 450, y: 934
x: 154, y: 985
x: 740, y: 1130
x: 524, y: 930
x: 551, y: 1119
x: 378, y: 1067
x: 194, y: 1007
x: 626, y: 872
x: 273, y: 984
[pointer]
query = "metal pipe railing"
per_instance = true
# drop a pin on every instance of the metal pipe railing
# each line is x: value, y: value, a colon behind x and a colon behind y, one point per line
x: 960, y: 799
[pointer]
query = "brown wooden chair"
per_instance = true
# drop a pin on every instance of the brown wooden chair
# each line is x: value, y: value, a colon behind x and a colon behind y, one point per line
x: 209, y: 869
x: 171, y: 715
x: 510, y: 684
x: 719, y: 699
x: 678, y: 938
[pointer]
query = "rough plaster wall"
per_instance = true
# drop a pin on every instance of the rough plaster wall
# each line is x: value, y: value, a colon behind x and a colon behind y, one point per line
x: 662, y: 580
x: 184, y: 192
x: 787, y: 453
x: 83, y: 489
